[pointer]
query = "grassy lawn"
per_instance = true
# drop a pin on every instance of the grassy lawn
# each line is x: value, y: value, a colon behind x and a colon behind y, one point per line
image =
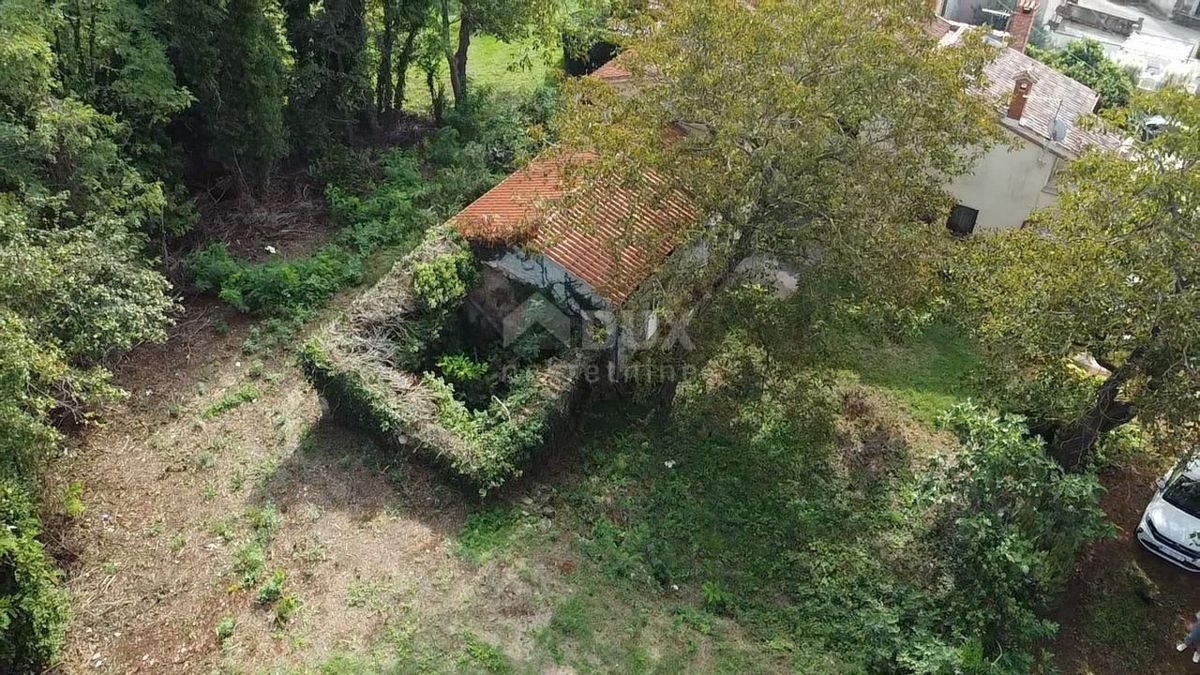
x: 678, y: 544
x: 927, y: 373
x: 680, y: 536
x: 517, y: 68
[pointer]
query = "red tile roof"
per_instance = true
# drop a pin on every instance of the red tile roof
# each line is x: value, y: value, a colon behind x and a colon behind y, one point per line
x: 613, y: 72
x: 610, y: 236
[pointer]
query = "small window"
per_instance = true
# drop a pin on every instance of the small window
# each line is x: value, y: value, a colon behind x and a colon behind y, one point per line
x: 962, y: 220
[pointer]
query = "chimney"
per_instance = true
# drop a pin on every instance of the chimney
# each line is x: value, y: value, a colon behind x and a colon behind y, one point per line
x: 1020, y: 24
x: 1022, y: 89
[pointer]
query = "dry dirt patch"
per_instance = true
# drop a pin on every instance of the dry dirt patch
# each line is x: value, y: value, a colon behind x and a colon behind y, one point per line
x: 170, y: 487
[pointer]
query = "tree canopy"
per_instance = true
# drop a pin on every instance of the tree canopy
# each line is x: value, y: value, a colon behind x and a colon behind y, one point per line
x: 1085, y: 61
x: 1111, y: 273
x: 813, y: 132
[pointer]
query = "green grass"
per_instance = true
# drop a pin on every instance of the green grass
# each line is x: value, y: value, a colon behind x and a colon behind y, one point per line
x: 480, y: 655
x: 247, y: 393
x: 506, y: 67
x: 928, y: 373
x: 730, y: 538
x: 487, y: 533
x: 1117, y: 616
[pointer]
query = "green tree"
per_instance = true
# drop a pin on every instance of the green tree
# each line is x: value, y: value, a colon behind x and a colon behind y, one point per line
x: 76, y: 283
x: 401, y: 20
x: 1112, y: 273
x: 230, y: 57
x: 73, y: 209
x: 108, y: 55
x: 1011, y: 523
x: 1085, y: 61
x: 820, y: 133
x: 330, y: 87
x: 508, y: 20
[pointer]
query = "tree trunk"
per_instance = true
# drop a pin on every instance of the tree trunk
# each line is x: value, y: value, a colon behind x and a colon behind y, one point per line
x: 457, y: 59
x: 387, y: 43
x: 402, y: 63
x: 1074, y: 442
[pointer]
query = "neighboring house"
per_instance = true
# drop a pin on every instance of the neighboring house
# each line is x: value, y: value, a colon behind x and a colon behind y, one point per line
x: 1185, y: 12
x: 1042, y: 117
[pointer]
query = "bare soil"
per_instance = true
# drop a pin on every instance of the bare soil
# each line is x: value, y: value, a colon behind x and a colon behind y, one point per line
x: 365, y: 540
x: 289, y: 215
x: 1103, y: 602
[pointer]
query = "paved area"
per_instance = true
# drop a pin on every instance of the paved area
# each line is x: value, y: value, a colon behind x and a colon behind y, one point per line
x: 1162, y: 50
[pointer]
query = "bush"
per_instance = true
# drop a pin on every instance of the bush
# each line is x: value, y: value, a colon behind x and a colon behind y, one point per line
x: 487, y: 138
x: 443, y: 282
x: 34, y: 609
x: 1011, y: 523
x: 506, y: 131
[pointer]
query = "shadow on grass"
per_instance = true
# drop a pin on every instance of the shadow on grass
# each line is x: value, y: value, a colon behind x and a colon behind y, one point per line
x: 336, y: 468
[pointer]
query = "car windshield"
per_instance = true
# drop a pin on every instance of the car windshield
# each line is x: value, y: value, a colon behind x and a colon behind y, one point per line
x: 1184, y: 494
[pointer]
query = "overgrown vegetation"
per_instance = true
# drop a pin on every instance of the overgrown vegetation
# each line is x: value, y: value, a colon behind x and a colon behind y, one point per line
x: 414, y: 190
x: 107, y: 110
x: 369, y: 364
x: 794, y: 487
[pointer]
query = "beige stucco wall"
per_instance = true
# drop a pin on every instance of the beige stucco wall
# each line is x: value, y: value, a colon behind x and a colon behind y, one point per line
x: 1006, y: 185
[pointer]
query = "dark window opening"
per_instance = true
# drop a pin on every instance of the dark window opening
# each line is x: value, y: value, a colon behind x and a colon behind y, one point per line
x: 962, y: 220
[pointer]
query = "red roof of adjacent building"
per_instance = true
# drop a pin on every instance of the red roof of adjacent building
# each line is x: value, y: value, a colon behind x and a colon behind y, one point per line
x: 610, y: 236
x: 613, y: 72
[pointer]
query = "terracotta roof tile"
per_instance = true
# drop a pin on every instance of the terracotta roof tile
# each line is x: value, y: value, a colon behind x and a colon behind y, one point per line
x: 610, y: 236
x: 613, y: 72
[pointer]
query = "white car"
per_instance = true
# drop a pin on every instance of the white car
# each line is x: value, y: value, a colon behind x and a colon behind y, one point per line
x: 1170, y: 526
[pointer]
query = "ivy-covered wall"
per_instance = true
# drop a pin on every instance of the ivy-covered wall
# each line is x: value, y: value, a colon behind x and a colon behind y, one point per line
x: 366, y: 364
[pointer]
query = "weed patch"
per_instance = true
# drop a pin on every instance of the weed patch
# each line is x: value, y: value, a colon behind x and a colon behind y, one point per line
x: 487, y: 533
x: 225, y: 629
x: 250, y: 559
x: 247, y: 393
x: 478, y: 654
x: 73, y: 500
